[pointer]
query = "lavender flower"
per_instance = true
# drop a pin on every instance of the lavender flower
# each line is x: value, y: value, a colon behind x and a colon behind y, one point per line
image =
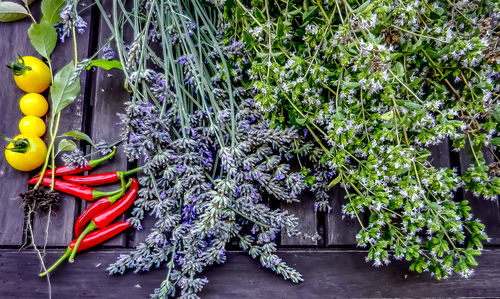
x: 75, y: 159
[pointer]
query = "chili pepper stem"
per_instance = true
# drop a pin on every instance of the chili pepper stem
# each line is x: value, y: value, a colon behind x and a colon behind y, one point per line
x: 87, y: 230
x: 94, y: 163
x: 100, y: 194
x: 58, y: 262
x: 132, y: 171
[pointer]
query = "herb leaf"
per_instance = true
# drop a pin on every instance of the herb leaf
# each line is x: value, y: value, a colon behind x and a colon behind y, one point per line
x: 63, y: 92
x: 43, y: 37
x: 80, y: 135
x: 10, y: 12
x: 51, y: 10
x: 66, y: 145
x: 105, y: 64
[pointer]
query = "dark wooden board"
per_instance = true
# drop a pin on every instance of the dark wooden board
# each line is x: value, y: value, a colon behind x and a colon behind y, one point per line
x: 12, y: 182
x: 108, y: 96
x: 340, y: 230
x: 60, y: 230
x: 332, y: 273
x: 304, y: 210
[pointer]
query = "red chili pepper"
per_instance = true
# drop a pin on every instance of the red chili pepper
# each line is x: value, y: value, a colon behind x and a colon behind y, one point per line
x: 105, y: 218
x: 90, y: 240
x: 101, y: 178
x: 83, y: 192
x: 95, y: 209
x: 65, y: 170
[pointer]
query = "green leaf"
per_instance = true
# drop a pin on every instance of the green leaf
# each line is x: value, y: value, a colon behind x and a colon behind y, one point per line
x: 349, y: 85
x: 433, y: 206
x: 105, y: 64
x: 80, y: 135
x: 43, y: 37
x: 495, y: 141
x: 399, y: 69
x: 412, y: 105
x: 301, y: 121
x: 51, y: 10
x: 62, y: 93
x: 259, y: 15
x: 388, y: 115
x: 11, y: 11
x: 362, y: 6
x: 311, y: 12
x: 496, y: 113
x: 66, y: 145
x: 335, y: 181
x: 280, y: 30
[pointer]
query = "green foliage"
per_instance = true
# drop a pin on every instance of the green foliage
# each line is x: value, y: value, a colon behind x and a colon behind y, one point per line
x: 11, y: 11
x: 375, y: 84
x: 80, y: 135
x: 65, y: 145
x: 43, y: 37
x: 51, y: 10
x: 63, y: 91
x: 105, y: 64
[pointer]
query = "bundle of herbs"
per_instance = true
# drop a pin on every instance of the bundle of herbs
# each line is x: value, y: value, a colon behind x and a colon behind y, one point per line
x: 210, y: 160
x: 373, y: 85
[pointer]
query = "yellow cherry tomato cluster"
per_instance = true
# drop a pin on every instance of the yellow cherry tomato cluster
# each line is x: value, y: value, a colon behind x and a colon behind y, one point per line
x: 28, y: 151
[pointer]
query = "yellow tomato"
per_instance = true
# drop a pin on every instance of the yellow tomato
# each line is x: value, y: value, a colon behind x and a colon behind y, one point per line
x: 31, y: 74
x: 32, y: 125
x: 33, y: 157
x: 33, y: 104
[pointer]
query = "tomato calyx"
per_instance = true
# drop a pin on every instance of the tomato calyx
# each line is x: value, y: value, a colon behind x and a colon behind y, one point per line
x: 21, y: 145
x: 18, y: 68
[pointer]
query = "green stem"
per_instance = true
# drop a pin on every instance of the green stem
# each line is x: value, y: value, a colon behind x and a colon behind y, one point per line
x: 100, y: 194
x: 130, y: 172
x: 94, y: 163
x: 51, y: 145
x: 87, y: 230
x: 57, y: 263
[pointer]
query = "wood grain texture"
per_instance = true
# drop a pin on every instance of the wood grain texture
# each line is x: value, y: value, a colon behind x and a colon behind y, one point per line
x: 304, y: 210
x: 440, y: 154
x: 108, y: 96
x: 60, y: 231
x: 13, y: 40
x: 340, y: 230
x: 327, y: 273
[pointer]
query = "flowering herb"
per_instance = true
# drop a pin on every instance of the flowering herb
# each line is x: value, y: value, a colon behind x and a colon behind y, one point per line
x: 371, y: 86
x: 210, y: 160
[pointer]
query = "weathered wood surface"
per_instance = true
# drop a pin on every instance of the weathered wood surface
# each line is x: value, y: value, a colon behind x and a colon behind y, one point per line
x: 60, y: 228
x: 108, y: 96
x: 12, y: 182
x: 327, y: 273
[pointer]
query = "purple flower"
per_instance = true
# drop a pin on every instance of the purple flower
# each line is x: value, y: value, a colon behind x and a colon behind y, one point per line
x: 80, y: 25
x: 108, y: 53
x: 279, y: 177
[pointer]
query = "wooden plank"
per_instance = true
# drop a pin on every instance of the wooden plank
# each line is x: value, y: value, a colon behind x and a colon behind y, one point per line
x: 60, y: 232
x: 135, y: 237
x: 108, y: 97
x: 12, y: 182
x: 340, y: 230
x: 488, y: 211
x: 440, y: 154
x: 334, y: 273
x: 304, y: 210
